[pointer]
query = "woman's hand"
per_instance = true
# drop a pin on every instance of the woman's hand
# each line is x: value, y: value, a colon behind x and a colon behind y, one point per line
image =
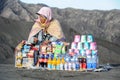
x: 46, y: 42
x: 66, y: 43
x: 35, y: 40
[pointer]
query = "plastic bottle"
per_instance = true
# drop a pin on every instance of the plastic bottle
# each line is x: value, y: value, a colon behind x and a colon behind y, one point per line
x: 62, y: 64
x: 54, y: 64
x: 49, y: 64
x: 66, y: 66
x: 63, y: 49
x: 58, y: 64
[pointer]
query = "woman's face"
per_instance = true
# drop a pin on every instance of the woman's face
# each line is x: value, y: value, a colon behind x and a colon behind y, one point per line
x: 42, y: 19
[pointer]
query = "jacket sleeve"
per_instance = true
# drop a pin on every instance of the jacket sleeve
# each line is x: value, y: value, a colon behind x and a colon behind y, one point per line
x: 31, y: 40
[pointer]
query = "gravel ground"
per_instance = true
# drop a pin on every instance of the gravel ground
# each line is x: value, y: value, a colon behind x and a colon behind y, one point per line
x: 9, y: 72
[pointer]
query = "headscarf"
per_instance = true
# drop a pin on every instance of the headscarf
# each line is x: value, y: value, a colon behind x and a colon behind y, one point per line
x: 47, y: 12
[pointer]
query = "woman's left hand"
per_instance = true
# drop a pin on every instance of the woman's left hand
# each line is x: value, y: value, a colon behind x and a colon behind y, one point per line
x: 66, y: 43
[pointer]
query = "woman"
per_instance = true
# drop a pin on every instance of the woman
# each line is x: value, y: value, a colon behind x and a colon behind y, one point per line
x: 46, y: 29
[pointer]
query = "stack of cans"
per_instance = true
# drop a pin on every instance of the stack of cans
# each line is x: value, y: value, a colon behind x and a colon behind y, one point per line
x: 85, y: 49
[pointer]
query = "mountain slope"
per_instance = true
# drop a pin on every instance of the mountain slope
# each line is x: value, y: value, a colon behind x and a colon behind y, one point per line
x: 12, y: 32
x: 103, y: 25
x: 17, y: 10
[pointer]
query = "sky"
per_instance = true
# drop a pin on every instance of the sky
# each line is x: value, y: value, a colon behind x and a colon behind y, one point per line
x: 79, y: 4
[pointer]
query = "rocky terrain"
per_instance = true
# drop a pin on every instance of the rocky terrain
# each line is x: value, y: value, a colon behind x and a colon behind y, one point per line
x: 17, y: 18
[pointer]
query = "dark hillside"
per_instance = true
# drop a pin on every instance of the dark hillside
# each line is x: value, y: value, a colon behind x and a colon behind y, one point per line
x: 11, y: 33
